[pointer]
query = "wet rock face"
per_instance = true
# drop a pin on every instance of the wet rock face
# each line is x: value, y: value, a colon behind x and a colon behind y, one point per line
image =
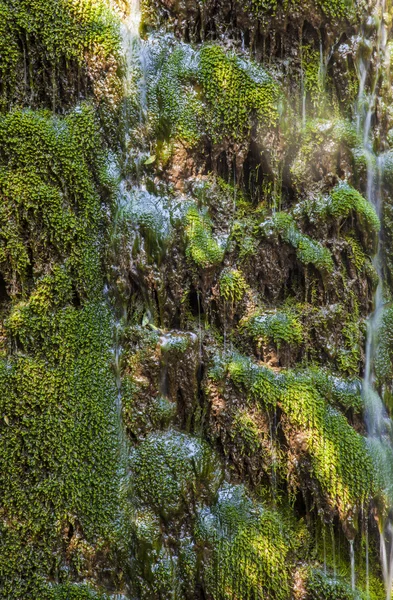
x: 185, y: 277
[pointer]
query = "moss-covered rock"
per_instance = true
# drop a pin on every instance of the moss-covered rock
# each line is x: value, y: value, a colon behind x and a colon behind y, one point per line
x: 169, y: 469
x: 247, y: 548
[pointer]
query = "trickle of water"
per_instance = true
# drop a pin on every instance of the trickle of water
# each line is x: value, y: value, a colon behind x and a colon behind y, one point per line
x: 352, y: 558
x: 372, y: 60
x: 136, y: 56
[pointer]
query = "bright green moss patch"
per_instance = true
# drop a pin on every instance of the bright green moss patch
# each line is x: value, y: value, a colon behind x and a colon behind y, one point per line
x: 235, y: 90
x: 232, y: 285
x: 247, y: 548
x: 339, y: 458
x: 50, y: 206
x: 209, y: 90
x: 201, y: 247
x: 345, y: 200
x: 40, y: 40
x: 278, y: 327
x: 59, y: 446
x: 308, y: 251
x: 59, y: 463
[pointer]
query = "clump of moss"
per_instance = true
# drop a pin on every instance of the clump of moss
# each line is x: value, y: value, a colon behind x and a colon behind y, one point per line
x: 246, y: 432
x: 175, y: 108
x: 201, y: 249
x: 167, y: 468
x: 277, y: 326
x: 235, y: 89
x: 75, y: 592
x: 247, y: 548
x: 346, y: 201
x: 43, y: 40
x: 320, y: 586
x: 43, y: 157
x: 209, y: 90
x: 340, y: 461
x: 344, y: 394
x: 232, y: 284
x: 384, y: 352
x: 308, y: 251
x: 313, y: 78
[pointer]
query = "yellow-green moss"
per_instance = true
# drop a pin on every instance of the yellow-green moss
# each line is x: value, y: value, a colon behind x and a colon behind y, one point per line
x: 235, y: 89
x: 308, y: 251
x: 201, y: 247
x: 339, y: 458
x: 39, y: 39
x: 59, y: 463
x: 232, y: 285
x: 247, y: 548
x: 276, y: 326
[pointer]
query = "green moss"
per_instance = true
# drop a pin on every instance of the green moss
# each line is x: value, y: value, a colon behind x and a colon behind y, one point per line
x: 41, y: 39
x: 75, y: 592
x: 235, y: 89
x: 344, y: 394
x: 210, y: 90
x: 247, y: 548
x: 232, y: 285
x: 278, y: 327
x: 201, y: 248
x: 308, y: 251
x: 168, y: 468
x: 60, y: 457
x: 42, y: 159
x: 246, y: 432
x: 174, y: 105
x: 358, y: 255
x: 338, y: 9
x: 346, y: 201
x: 384, y: 351
x: 313, y: 78
x: 322, y: 587
x: 339, y: 459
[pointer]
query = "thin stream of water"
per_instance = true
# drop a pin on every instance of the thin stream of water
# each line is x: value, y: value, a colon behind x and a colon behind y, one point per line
x: 378, y: 423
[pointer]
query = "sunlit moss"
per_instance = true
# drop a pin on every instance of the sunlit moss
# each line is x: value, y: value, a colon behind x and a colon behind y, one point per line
x: 339, y: 459
x: 308, y: 251
x: 40, y: 39
x: 59, y: 459
x: 201, y: 248
x: 232, y: 285
x: 236, y: 88
x: 275, y: 326
x: 247, y: 548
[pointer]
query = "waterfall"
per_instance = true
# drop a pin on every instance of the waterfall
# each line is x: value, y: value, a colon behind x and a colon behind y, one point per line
x: 378, y: 424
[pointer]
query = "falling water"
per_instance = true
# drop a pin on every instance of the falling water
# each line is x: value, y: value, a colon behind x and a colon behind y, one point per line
x: 352, y: 557
x: 372, y: 61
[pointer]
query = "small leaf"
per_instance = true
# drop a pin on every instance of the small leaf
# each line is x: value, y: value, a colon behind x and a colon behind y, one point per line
x: 150, y: 160
x: 6, y: 419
